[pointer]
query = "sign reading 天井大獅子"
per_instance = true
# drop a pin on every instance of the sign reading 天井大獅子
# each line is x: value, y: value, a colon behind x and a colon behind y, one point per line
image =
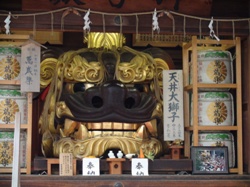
x: 173, y: 105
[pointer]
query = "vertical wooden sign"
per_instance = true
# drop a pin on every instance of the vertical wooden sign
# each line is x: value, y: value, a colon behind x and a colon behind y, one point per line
x: 16, y: 153
x: 66, y: 164
x: 30, y: 67
x: 173, y: 105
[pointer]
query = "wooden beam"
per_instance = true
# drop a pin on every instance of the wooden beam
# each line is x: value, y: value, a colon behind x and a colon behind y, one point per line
x: 128, y: 180
x: 74, y: 23
x: 199, y: 8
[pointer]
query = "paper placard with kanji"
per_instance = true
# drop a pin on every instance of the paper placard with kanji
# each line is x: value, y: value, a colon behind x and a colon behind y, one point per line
x: 90, y: 166
x: 30, y: 67
x: 173, y: 116
x: 139, y: 167
x: 66, y: 164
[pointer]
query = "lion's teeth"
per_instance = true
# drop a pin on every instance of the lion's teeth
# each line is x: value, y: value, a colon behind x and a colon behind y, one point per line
x: 142, y: 133
x: 152, y: 127
x: 82, y: 133
x: 62, y: 133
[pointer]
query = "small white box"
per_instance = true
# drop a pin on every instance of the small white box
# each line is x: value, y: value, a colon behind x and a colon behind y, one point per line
x: 139, y: 167
x: 91, y: 166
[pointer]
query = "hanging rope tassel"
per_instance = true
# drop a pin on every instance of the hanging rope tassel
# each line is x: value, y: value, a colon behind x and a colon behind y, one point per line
x: 172, y: 17
x: 120, y: 24
x: 52, y: 24
x: 121, y: 35
x: 233, y: 30
x: 249, y: 26
x: 217, y: 28
x: 66, y: 11
x: 137, y: 24
x: 200, y: 29
x: 104, y: 27
x: 34, y: 26
x: 184, y: 27
x: 62, y: 23
x: 103, y: 23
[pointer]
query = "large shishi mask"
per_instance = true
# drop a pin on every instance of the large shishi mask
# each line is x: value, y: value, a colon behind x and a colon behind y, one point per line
x: 101, y: 99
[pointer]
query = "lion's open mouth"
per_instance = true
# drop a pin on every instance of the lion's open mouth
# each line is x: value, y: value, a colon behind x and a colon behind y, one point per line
x: 120, y: 118
x: 96, y: 138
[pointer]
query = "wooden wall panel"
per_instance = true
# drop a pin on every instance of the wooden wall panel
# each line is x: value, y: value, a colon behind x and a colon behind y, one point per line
x: 197, y: 8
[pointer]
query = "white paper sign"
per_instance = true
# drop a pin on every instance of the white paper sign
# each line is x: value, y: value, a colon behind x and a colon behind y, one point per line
x: 90, y: 166
x: 30, y: 68
x: 173, y: 105
x: 139, y: 167
x: 66, y: 164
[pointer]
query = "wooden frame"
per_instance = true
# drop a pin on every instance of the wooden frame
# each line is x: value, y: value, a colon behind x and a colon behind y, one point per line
x: 194, y: 129
x: 246, y: 102
x: 159, y: 40
x: 17, y: 40
x: 209, y: 160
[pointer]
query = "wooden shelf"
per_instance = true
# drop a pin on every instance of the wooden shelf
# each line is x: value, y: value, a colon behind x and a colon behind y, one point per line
x: 154, y: 180
x: 10, y: 82
x: 28, y: 128
x: 214, y: 128
x: 14, y: 37
x: 215, y: 86
x: 209, y: 44
x: 11, y: 126
x: 17, y: 40
x: 192, y: 48
x: 234, y: 170
x: 9, y: 170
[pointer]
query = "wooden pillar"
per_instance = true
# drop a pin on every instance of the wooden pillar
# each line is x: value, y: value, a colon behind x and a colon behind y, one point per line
x: 246, y: 102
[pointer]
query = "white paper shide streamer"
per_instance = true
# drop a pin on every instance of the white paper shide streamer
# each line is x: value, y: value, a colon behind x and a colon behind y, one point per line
x: 87, y: 22
x: 212, y: 34
x: 155, y: 22
x: 7, y: 24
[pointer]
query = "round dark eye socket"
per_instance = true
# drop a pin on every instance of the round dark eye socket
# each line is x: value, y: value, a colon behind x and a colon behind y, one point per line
x: 129, y: 102
x: 97, y: 102
x: 79, y: 87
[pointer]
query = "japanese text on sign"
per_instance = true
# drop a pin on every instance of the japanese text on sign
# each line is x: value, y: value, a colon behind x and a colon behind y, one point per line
x: 173, y: 105
x: 30, y: 68
x: 139, y: 166
x: 91, y: 166
x: 66, y: 164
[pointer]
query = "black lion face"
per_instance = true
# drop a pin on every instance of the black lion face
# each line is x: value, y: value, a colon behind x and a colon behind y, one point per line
x: 110, y: 98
